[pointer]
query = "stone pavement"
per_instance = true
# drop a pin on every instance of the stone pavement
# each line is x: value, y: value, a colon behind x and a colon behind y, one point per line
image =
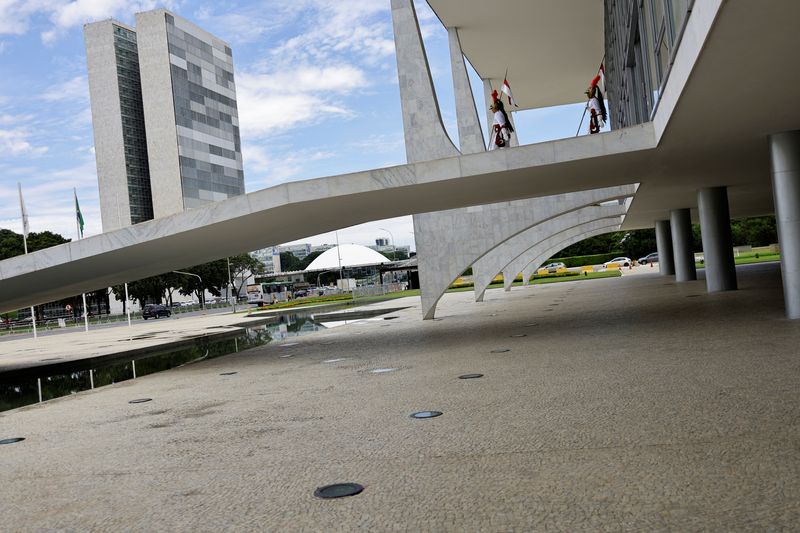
x: 632, y: 404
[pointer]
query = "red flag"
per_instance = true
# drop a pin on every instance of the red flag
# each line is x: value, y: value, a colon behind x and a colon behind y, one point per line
x: 506, y: 89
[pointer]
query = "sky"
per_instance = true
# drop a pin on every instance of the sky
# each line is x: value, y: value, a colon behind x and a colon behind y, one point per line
x: 330, y: 63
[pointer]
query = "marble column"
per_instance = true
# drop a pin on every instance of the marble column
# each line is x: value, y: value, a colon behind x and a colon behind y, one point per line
x: 682, y: 254
x: 715, y: 228
x: 785, y: 158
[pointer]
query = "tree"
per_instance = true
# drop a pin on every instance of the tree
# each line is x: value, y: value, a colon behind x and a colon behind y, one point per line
x: 290, y: 262
x: 638, y: 243
x: 242, y: 266
x: 12, y: 245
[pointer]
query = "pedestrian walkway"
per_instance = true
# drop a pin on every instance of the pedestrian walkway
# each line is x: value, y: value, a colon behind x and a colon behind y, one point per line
x: 618, y: 404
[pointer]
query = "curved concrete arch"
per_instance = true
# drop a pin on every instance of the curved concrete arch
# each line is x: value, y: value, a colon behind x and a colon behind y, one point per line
x: 537, y: 261
x: 448, y: 242
x: 525, y: 244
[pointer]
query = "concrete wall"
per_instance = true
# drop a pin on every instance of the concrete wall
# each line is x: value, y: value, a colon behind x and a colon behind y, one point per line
x: 159, y: 113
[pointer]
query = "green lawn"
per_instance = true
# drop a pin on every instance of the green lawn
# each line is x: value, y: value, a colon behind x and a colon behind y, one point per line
x: 750, y: 258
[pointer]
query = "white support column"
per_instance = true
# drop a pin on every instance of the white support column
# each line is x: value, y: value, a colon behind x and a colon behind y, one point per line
x: 715, y: 229
x: 666, y: 263
x: 425, y: 134
x: 681, y: 224
x: 785, y: 155
x: 470, y: 136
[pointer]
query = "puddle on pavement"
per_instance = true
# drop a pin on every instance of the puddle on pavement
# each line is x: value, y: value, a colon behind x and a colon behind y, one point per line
x: 20, y: 387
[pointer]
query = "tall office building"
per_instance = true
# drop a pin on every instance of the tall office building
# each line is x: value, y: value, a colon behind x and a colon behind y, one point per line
x: 165, y: 117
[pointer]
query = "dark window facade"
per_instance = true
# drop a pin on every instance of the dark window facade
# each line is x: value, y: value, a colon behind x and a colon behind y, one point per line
x: 641, y: 39
x: 133, y: 132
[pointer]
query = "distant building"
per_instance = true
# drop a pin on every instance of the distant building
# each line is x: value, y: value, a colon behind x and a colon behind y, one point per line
x: 271, y: 258
x: 165, y: 117
x: 300, y: 251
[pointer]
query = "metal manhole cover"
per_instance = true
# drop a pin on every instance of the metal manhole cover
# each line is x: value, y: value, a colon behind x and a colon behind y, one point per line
x: 12, y: 440
x: 141, y: 400
x: 228, y: 373
x: 426, y: 414
x: 470, y: 376
x: 500, y: 350
x: 338, y: 490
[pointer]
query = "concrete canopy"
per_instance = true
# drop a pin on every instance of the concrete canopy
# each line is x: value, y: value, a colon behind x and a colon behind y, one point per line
x: 551, y: 48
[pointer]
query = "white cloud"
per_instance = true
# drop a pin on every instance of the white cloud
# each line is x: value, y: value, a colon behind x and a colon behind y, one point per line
x: 16, y: 15
x: 15, y: 142
x: 76, y: 88
x: 265, y: 169
x: 276, y: 102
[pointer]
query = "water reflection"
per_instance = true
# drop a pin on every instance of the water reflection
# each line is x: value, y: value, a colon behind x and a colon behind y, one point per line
x: 31, y: 385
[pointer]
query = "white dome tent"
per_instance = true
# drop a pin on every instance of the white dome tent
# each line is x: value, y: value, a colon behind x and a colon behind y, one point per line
x: 352, y: 255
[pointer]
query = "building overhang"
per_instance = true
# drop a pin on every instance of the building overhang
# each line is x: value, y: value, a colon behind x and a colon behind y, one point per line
x: 551, y: 48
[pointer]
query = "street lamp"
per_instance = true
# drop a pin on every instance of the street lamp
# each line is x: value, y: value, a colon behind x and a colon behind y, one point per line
x: 321, y: 273
x: 202, y: 289
x: 230, y: 286
x: 394, y: 250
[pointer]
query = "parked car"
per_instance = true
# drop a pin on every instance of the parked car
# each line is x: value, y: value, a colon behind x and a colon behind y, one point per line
x: 155, y: 311
x: 649, y: 258
x: 620, y: 261
x: 553, y: 267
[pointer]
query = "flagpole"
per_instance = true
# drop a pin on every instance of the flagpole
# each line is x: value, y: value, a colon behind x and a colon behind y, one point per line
x: 25, y: 247
x: 79, y: 231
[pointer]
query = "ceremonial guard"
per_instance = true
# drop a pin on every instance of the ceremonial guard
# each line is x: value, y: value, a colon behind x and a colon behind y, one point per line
x: 502, y: 129
x: 596, y: 106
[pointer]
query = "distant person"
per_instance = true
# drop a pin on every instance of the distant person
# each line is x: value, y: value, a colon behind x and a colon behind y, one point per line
x: 596, y: 107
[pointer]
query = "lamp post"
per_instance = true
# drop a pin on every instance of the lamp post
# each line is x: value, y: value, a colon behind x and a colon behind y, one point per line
x: 230, y: 285
x: 202, y: 289
x: 394, y: 250
x: 321, y: 273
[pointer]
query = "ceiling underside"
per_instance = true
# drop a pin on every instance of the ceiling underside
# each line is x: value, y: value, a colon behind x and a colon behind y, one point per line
x: 551, y: 48
x: 743, y: 87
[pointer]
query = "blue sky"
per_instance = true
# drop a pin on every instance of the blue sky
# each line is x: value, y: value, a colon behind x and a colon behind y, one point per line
x: 316, y: 84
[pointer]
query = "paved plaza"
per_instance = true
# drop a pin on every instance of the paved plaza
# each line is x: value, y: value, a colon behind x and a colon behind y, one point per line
x: 622, y: 404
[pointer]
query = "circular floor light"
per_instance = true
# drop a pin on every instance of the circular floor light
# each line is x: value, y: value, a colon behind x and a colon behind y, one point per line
x: 382, y: 370
x: 12, y: 440
x: 426, y: 414
x: 470, y: 376
x: 338, y: 490
x: 500, y: 350
x: 141, y: 400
